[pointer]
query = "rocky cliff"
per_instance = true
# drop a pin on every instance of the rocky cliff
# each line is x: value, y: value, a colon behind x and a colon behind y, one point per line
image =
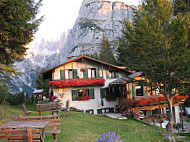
x: 95, y: 18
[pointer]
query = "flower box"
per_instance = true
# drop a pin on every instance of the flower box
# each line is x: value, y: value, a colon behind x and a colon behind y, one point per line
x: 77, y: 82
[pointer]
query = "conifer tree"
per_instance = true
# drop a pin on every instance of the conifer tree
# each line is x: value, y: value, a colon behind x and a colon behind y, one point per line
x: 41, y: 83
x: 106, y: 53
x: 157, y: 43
x: 17, y: 27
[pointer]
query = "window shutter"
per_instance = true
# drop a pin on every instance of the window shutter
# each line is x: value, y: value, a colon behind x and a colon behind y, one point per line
x: 75, y: 76
x: 143, y: 91
x: 134, y: 90
x: 97, y: 72
x: 85, y: 73
x: 103, y: 92
x: 91, y: 93
x: 62, y: 74
x: 107, y: 74
x: 74, y: 94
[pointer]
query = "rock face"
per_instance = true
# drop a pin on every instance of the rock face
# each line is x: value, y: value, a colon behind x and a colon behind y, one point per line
x: 95, y: 19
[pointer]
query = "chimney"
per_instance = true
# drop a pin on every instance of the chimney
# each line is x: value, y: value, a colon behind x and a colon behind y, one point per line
x: 69, y: 58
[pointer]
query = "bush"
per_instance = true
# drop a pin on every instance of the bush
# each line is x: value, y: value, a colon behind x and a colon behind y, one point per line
x: 3, y: 93
x: 15, y: 99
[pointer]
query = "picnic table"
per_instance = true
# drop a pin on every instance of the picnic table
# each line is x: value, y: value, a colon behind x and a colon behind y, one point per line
x: 26, y: 124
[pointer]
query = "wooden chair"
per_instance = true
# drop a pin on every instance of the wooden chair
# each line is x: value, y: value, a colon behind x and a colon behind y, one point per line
x: 66, y: 109
x: 25, y: 110
x: 20, y: 135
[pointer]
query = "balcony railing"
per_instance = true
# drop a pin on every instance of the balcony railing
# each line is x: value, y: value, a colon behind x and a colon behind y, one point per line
x: 77, y: 82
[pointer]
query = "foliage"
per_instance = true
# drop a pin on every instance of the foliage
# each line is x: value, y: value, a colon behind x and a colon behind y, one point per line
x: 3, y: 93
x: 42, y: 83
x: 110, y: 137
x: 181, y: 6
x: 93, y: 55
x: 32, y: 99
x: 15, y: 99
x: 157, y: 43
x: 106, y: 53
x: 17, y: 27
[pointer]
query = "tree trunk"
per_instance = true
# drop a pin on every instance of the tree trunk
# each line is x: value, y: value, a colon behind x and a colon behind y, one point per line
x: 170, y: 126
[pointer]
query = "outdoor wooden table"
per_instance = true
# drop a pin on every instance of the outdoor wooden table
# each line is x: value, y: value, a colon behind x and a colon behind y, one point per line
x: 27, y: 124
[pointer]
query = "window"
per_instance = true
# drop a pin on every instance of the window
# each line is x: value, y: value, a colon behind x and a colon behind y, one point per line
x: 70, y: 74
x: 112, y: 74
x: 82, y: 93
x: 139, y: 90
x: 93, y: 73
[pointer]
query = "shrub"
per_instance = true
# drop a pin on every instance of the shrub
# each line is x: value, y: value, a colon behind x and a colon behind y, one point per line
x: 15, y: 99
x: 3, y: 93
x: 110, y: 137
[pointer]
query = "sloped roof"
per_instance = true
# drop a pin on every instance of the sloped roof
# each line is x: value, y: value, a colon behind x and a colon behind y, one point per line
x: 89, y: 58
x: 38, y: 91
x: 134, y: 75
x: 119, y: 81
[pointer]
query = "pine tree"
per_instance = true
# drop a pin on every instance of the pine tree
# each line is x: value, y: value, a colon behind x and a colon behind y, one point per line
x: 157, y: 43
x: 106, y: 53
x: 41, y: 83
x: 17, y: 27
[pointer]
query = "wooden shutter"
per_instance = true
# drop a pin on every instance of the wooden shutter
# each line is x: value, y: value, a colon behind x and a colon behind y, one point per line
x: 134, y: 89
x: 74, y: 94
x: 62, y: 74
x: 75, y: 76
x: 143, y: 90
x: 103, y: 92
x: 85, y: 73
x: 97, y: 72
x: 91, y: 93
x: 107, y: 74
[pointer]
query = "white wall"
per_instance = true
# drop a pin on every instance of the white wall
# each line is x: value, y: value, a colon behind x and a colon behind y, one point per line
x: 84, y: 105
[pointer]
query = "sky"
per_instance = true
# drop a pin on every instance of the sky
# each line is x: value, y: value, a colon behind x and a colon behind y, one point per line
x: 60, y: 16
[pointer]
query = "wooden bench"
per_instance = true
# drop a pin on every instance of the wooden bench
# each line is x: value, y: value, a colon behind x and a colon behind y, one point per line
x: 53, y: 107
x: 25, y: 110
x: 20, y: 135
x: 54, y: 122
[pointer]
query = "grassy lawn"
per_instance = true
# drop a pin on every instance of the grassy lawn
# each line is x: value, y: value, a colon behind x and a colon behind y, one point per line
x: 83, y: 127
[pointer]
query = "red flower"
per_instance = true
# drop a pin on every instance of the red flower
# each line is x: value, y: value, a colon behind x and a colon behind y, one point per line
x: 77, y: 82
x: 83, y: 98
x: 52, y: 98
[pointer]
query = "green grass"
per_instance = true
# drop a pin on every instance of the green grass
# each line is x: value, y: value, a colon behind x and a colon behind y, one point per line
x: 83, y: 127
x: 185, y: 139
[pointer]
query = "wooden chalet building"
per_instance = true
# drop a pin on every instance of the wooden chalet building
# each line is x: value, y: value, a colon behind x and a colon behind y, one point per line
x: 84, y: 81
